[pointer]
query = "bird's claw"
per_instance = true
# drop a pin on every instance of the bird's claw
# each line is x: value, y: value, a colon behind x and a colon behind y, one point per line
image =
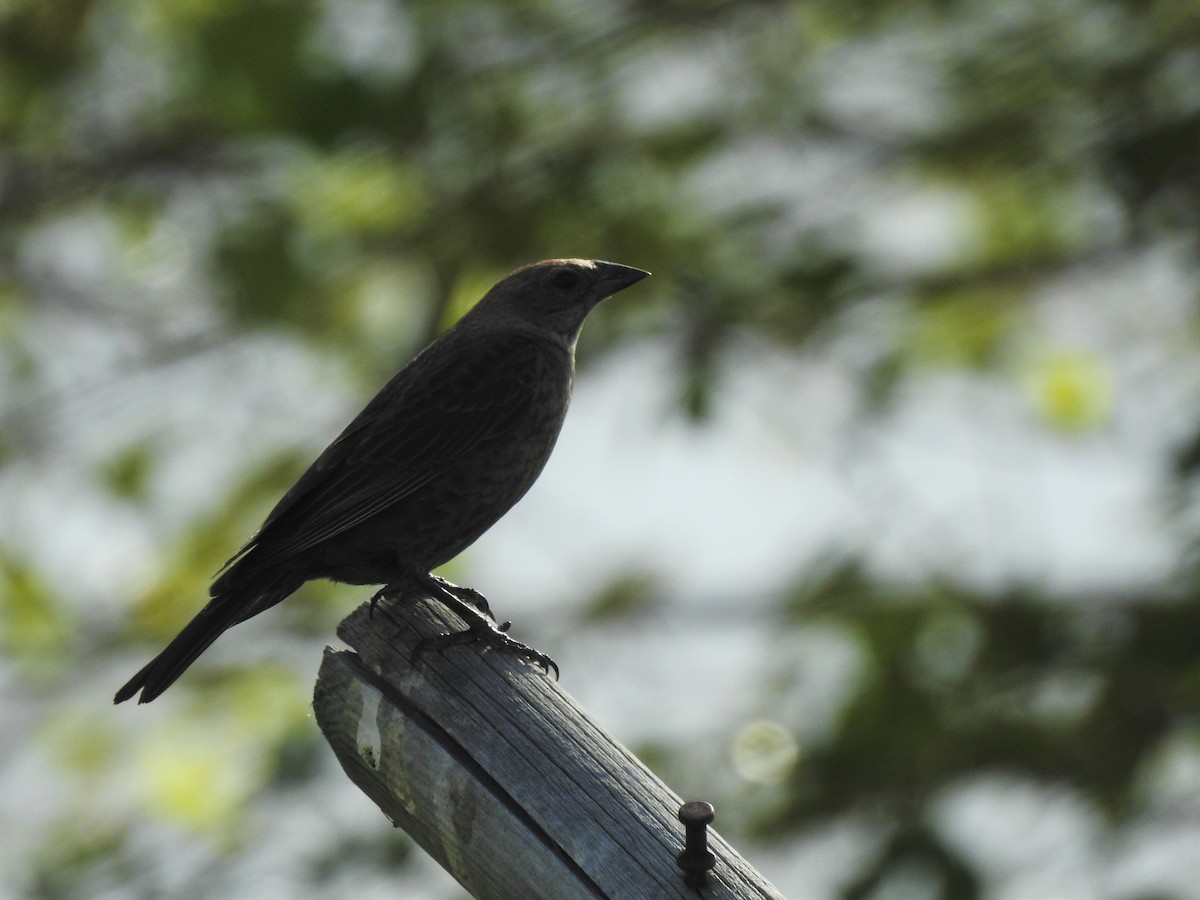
x: 494, y: 636
x: 380, y: 594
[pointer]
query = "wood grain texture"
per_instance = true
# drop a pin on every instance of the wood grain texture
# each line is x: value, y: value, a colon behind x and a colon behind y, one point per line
x: 492, y: 768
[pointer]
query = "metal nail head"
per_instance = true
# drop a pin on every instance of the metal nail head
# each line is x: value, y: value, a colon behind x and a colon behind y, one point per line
x: 696, y: 859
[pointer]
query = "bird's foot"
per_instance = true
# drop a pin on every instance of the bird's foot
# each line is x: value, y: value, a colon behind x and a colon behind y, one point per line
x: 466, y: 594
x: 479, y: 629
x: 483, y: 632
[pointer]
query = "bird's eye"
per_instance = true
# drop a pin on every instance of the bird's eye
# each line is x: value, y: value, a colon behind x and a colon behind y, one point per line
x: 565, y: 279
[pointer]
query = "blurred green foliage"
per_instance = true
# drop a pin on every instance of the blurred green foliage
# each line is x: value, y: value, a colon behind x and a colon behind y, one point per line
x: 356, y: 173
x: 36, y: 626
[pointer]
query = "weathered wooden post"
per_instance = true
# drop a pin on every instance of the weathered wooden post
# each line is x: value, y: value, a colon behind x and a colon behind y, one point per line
x: 496, y: 772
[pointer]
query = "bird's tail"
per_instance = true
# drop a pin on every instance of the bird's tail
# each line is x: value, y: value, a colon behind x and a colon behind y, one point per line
x: 222, y: 612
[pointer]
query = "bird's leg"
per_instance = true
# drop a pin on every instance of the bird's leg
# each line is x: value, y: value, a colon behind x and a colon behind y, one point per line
x: 479, y: 629
x: 470, y: 595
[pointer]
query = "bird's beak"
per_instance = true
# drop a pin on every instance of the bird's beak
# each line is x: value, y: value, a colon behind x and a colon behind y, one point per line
x: 615, y: 277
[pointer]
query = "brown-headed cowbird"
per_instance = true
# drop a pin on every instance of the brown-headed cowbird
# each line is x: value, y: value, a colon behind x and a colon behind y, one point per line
x: 442, y: 452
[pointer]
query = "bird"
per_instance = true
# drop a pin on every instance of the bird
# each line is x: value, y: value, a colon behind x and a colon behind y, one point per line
x: 444, y: 450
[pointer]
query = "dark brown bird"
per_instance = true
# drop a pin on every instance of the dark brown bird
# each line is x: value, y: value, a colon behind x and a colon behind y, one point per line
x: 442, y: 452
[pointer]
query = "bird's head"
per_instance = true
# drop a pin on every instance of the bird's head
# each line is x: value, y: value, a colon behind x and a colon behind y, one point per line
x: 554, y: 296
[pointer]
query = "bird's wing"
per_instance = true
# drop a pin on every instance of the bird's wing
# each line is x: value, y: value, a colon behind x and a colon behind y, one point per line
x: 437, y: 409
